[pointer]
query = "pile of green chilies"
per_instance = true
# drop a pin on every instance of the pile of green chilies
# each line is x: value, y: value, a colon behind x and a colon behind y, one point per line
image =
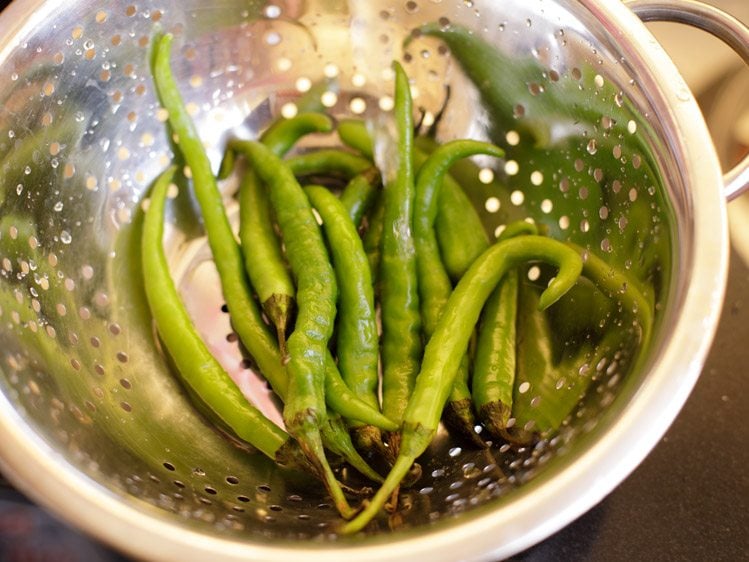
x: 323, y: 262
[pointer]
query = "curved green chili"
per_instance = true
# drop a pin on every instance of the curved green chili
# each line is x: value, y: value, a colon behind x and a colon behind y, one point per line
x: 460, y: 232
x: 245, y: 315
x: 354, y: 134
x: 196, y: 366
x: 280, y: 137
x: 401, y: 321
x: 434, y: 283
x: 304, y: 411
x: 449, y: 342
x: 494, y: 363
x: 329, y: 161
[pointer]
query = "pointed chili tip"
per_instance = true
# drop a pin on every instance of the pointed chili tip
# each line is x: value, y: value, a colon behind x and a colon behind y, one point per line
x: 570, y: 268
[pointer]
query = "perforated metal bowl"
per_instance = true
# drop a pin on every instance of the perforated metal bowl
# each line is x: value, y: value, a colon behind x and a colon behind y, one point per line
x: 94, y: 425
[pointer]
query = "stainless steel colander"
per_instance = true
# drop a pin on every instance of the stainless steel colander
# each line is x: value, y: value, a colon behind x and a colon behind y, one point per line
x: 93, y: 423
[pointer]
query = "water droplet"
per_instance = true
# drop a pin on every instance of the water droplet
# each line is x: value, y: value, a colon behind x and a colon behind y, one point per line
x: 683, y: 93
x: 592, y: 146
x: 470, y: 470
x: 65, y: 237
x: 58, y: 206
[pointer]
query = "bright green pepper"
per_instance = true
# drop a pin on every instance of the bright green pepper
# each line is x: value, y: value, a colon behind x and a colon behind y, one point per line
x: 434, y: 283
x: 449, y: 343
x: 401, y: 322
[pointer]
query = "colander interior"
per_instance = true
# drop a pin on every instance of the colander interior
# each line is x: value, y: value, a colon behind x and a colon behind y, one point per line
x: 82, y: 136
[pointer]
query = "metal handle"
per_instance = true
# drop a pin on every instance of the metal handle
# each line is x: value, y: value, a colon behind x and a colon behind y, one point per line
x: 723, y: 26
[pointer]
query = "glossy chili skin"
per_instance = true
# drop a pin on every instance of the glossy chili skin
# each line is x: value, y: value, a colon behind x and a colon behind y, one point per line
x: 304, y: 410
x: 435, y: 286
x: 196, y: 365
x: 245, y: 315
x: 328, y: 162
x: 460, y: 231
x: 372, y: 238
x: 494, y: 362
x: 263, y: 256
x: 354, y: 134
x: 401, y: 320
x: 450, y: 340
x: 360, y: 194
x: 357, y: 345
x: 280, y: 137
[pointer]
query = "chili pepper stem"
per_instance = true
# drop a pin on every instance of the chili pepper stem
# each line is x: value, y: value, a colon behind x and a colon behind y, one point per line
x: 416, y: 441
x: 339, y: 442
x: 494, y: 416
x: 368, y: 439
x: 310, y: 441
x: 459, y: 416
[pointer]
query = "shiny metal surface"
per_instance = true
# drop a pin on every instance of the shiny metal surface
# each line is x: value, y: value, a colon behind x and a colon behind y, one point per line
x: 722, y: 25
x: 94, y: 424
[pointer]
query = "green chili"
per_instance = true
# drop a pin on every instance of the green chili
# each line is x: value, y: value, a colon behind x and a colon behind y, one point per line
x: 357, y: 346
x: 495, y: 362
x: 449, y: 343
x: 555, y: 386
x: 304, y: 411
x: 196, y: 366
x: 372, y: 238
x: 434, y: 283
x: 354, y: 134
x: 460, y: 232
x: 401, y: 321
x: 360, y: 193
x: 280, y: 137
x: 245, y: 315
x: 263, y: 256
x: 342, y: 400
x: 329, y: 162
